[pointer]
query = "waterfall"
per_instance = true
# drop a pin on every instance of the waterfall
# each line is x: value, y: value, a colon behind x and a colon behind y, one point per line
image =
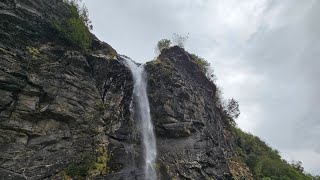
x: 143, y: 113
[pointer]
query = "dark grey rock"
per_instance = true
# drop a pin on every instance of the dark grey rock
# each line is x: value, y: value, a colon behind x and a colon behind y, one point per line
x: 61, y: 108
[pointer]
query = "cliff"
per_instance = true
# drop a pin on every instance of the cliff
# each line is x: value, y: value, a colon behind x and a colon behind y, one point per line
x: 66, y: 112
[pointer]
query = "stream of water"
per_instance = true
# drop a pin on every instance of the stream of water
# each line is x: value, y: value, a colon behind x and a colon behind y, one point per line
x: 143, y: 113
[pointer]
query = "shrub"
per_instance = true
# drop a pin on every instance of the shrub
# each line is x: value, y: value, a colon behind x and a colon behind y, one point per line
x: 34, y: 52
x: 100, y: 166
x: 202, y: 63
x: 233, y: 108
x: 162, y: 44
x: 79, y: 170
x: 75, y: 29
x: 90, y: 166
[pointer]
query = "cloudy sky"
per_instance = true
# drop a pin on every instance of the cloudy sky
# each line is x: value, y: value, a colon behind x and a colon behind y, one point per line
x: 265, y: 53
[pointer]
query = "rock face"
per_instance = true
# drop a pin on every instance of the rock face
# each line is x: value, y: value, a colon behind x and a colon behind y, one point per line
x: 66, y: 112
x: 192, y: 135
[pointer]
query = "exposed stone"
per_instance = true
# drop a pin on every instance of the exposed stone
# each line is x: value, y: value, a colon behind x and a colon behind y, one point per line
x: 59, y: 108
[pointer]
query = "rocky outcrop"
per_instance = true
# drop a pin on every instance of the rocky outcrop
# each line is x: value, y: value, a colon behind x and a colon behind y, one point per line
x: 66, y: 112
x: 192, y: 135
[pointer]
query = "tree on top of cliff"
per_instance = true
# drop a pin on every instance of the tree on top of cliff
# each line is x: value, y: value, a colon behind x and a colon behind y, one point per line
x: 162, y: 44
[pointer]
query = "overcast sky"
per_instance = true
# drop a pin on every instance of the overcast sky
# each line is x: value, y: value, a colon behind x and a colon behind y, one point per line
x: 265, y: 53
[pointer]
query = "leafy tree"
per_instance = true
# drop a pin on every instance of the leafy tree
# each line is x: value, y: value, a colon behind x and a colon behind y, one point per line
x: 297, y: 165
x: 233, y: 108
x: 163, y: 44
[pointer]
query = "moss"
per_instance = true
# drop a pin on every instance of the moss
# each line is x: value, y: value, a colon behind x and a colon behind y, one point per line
x: 100, y: 166
x: 79, y: 170
x: 34, y: 52
x: 89, y: 167
x: 102, y: 106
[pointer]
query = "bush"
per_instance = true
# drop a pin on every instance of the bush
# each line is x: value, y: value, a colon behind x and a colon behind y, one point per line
x: 162, y: 44
x: 233, y: 108
x: 202, y: 63
x: 34, y: 52
x: 76, y: 28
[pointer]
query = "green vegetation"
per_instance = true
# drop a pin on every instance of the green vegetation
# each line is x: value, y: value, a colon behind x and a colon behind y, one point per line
x: 201, y: 63
x: 163, y: 44
x: 100, y: 166
x: 89, y: 166
x: 34, y: 52
x: 179, y: 40
x: 264, y: 162
x: 101, y: 106
x: 79, y: 170
x: 75, y: 29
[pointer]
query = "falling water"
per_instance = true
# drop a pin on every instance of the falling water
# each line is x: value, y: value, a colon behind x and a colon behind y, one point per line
x: 143, y: 113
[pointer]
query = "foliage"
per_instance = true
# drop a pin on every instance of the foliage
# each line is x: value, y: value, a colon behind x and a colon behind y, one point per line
x: 233, y: 108
x: 163, y: 44
x: 80, y: 11
x: 89, y: 166
x: 100, y: 166
x: 264, y: 162
x: 102, y: 106
x: 177, y: 39
x: 34, y: 52
x: 202, y: 63
x: 75, y: 29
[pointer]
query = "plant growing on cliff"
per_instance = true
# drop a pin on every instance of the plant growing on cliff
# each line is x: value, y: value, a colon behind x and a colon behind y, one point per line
x: 100, y: 166
x: 34, y: 52
x: 89, y: 166
x: 233, y: 108
x: 205, y: 67
x: 201, y: 63
x: 75, y: 29
x: 162, y: 44
x: 177, y: 39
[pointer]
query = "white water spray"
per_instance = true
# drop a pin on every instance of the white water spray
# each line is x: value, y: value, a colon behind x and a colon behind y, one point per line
x: 143, y: 113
